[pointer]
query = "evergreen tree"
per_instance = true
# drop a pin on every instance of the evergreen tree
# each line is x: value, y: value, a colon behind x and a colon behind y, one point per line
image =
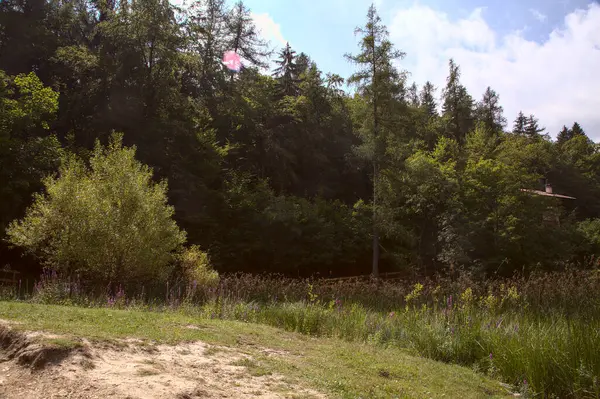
x: 427, y: 99
x: 208, y: 24
x: 377, y: 80
x: 334, y: 83
x: 489, y: 112
x: 244, y: 38
x: 457, y: 105
x: 576, y: 130
x: 567, y: 134
x: 303, y: 63
x: 532, y: 128
x: 564, y: 135
x: 413, y: 96
x: 519, y: 124
x: 286, y: 73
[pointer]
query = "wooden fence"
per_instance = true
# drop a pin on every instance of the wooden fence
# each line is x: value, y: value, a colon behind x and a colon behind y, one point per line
x: 366, y: 277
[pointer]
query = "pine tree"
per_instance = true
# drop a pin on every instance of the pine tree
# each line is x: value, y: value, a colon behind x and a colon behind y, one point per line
x: 519, y: 124
x: 567, y: 134
x: 287, y: 71
x: 532, y: 128
x: 378, y: 81
x: 427, y: 99
x: 563, y: 136
x: 334, y: 82
x: 244, y: 39
x: 303, y: 63
x: 489, y: 112
x: 413, y: 96
x: 576, y: 130
x: 207, y: 24
x: 457, y: 105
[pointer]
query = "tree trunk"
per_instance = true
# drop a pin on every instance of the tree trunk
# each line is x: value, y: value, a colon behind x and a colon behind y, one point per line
x: 375, y: 270
x: 375, y: 267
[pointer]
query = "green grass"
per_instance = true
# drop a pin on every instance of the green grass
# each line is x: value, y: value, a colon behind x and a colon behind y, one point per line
x: 552, y: 354
x: 63, y: 343
x: 339, y: 368
x: 254, y: 368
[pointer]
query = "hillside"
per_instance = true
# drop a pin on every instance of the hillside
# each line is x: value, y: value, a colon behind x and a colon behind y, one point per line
x: 134, y: 354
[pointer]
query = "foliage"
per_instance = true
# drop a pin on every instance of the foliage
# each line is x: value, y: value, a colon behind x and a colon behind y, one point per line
x: 590, y: 232
x: 27, y: 152
x: 196, y: 268
x: 285, y: 172
x: 280, y: 171
x: 108, y: 221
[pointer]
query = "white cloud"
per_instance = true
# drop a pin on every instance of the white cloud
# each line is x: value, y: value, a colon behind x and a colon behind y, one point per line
x: 557, y: 80
x: 271, y: 32
x: 269, y: 29
x: 538, y: 15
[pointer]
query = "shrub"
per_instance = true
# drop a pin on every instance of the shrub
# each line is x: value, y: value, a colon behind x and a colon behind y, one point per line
x: 590, y: 232
x: 196, y: 268
x: 108, y: 222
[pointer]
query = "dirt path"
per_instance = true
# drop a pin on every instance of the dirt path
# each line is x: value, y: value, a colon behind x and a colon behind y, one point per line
x: 46, y: 366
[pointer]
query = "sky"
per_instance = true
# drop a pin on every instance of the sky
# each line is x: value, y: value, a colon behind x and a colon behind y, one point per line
x: 540, y: 56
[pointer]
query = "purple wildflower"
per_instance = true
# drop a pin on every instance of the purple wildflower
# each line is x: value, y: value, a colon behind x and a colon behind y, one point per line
x: 491, y: 357
x: 338, y: 304
x: 449, y: 302
x: 110, y: 301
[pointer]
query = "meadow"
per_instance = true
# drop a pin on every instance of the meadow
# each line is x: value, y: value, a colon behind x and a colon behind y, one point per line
x: 540, y: 333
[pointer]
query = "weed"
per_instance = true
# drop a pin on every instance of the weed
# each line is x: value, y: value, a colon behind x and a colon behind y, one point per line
x: 61, y: 342
x: 147, y: 372
x: 254, y: 368
x: 211, y: 350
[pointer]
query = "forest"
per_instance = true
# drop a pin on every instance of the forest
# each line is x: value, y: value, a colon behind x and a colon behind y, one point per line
x: 281, y: 169
x: 149, y: 187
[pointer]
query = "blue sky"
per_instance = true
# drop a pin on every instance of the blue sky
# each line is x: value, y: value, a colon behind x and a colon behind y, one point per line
x: 324, y: 28
x: 541, y: 56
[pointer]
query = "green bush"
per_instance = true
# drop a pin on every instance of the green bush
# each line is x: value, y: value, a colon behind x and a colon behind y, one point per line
x: 196, y: 268
x: 590, y: 232
x: 107, y: 222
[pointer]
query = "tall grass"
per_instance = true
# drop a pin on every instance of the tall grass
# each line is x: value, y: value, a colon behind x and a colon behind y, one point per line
x: 553, y: 356
x: 540, y: 333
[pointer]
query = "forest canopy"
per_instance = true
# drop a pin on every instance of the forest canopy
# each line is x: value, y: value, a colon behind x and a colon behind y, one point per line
x: 282, y: 170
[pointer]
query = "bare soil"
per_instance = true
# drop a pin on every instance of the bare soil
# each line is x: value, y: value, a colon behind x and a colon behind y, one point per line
x: 37, y: 365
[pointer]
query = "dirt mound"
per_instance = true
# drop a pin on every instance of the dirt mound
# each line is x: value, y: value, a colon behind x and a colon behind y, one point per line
x: 58, y: 367
x: 25, y: 351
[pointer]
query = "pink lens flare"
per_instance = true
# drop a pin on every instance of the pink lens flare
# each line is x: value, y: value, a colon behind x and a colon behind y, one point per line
x: 232, y: 61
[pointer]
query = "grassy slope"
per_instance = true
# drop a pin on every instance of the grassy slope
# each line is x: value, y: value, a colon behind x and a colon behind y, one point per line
x: 343, y: 369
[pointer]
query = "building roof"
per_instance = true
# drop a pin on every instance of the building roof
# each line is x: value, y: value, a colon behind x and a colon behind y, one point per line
x: 546, y: 194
